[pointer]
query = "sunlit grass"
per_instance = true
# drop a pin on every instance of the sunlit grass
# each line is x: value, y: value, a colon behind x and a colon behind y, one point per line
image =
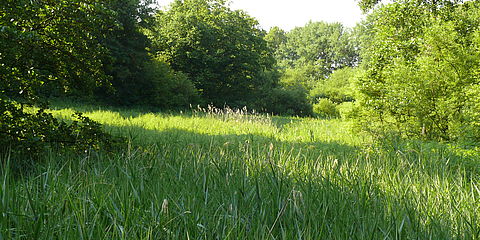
x: 228, y: 123
x: 211, y: 174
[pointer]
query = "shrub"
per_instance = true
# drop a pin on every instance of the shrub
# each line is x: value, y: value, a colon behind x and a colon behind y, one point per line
x: 469, y: 131
x: 335, y: 95
x: 169, y: 89
x: 326, y: 109
x: 347, y: 110
x: 304, y: 76
x: 337, y: 87
x: 27, y: 134
x: 286, y: 101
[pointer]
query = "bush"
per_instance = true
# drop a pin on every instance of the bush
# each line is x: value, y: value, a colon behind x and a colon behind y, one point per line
x: 347, y: 110
x: 287, y: 101
x: 335, y: 95
x: 304, y: 76
x: 469, y: 131
x: 337, y: 87
x: 27, y: 134
x: 326, y: 109
x: 169, y: 89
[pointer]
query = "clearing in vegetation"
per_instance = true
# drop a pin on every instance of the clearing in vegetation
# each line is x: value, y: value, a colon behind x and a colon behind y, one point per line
x: 217, y: 174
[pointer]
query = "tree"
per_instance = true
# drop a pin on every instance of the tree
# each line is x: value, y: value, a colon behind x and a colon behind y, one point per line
x: 367, y: 5
x: 319, y: 48
x: 49, y: 46
x: 127, y: 56
x: 418, y: 68
x: 338, y: 87
x: 222, y: 51
x: 275, y: 38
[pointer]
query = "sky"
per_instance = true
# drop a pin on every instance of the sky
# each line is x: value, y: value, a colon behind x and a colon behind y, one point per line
x: 288, y: 14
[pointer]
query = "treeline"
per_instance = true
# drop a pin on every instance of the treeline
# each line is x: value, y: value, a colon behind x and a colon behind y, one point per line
x: 315, y: 65
x: 126, y: 53
x: 411, y: 68
x: 195, y: 52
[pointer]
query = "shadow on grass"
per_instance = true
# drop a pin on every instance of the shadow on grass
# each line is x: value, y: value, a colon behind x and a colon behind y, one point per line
x: 245, y: 186
x: 280, y: 122
x: 124, y: 112
x: 432, y: 158
x: 284, y: 189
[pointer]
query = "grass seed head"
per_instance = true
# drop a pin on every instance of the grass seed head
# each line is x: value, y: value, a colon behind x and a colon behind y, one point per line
x: 165, y: 207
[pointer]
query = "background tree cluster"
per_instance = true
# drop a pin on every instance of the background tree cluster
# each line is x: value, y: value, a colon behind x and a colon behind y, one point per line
x: 193, y: 52
x: 220, y: 50
x: 316, y: 65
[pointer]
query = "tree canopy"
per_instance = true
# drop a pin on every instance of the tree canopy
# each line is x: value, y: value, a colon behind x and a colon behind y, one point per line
x: 321, y: 46
x: 222, y: 51
x: 49, y: 47
x: 419, y: 67
x: 367, y: 5
x: 51, y: 44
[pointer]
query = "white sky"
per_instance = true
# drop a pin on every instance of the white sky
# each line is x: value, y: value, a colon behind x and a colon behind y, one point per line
x: 288, y: 14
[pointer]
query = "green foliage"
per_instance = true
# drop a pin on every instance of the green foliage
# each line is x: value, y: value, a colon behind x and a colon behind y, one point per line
x: 290, y: 101
x: 318, y: 48
x: 367, y: 5
x: 348, y: 110
x: 307, y: 56
x: 49, y: 48
x: 275, y: 38
x: 419, y: 68
x: 222, y: 51
x: 26, y: 135
x: 127, y: 53
x: 470, y: 132
x: 286, y: 98
x: 301, y: 75
x: 338, y: 87
x: 170, y: 89
x: 326, y: 109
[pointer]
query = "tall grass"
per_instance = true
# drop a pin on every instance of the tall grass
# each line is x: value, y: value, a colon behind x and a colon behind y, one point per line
x: 221, y: 174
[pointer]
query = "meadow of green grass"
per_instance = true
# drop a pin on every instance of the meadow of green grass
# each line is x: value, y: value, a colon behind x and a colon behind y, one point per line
x: 230, y: 175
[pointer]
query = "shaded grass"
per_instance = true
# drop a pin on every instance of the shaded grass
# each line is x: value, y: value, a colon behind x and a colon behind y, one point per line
x: 201, y: 176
